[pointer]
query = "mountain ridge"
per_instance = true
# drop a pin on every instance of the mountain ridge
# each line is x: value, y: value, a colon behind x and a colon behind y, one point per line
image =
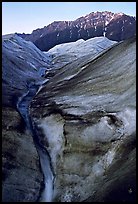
x: 114, y: 26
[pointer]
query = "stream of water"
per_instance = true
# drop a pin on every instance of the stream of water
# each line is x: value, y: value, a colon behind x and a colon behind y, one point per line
x: 48, y: 175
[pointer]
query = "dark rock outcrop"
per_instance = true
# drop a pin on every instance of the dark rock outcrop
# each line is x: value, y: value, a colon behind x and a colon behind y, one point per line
x: 21, y: 176
x: 114, y: 26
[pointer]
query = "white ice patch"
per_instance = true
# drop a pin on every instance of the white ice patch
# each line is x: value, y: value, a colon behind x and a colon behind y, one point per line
x: 109, y: 157
x: 128, y: 117
x: 41, y: 35
x: 53, y: 130
x: 106, y: 23
x: 70, y: 33
x: 70, y: 77
x: 98, y: 169
x: 73, y: 75
x: 104, y: 34
x: 100, y: 131
x: 104, y: 162
x: 32, y: 65
x: 41, y: 84
x: 85, y: 26
x: 47, y: 193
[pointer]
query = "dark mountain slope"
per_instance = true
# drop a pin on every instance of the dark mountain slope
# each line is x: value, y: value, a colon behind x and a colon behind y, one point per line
x: 115, y: 26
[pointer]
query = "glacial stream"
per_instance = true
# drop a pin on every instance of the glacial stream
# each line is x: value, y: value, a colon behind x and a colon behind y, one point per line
x: 48, y: 175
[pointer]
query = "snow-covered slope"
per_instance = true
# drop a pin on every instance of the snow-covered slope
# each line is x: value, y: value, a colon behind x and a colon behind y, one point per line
x: 24, y: 50
x: 87, y: 114
x: 67, y: 52
x: 22, y: 61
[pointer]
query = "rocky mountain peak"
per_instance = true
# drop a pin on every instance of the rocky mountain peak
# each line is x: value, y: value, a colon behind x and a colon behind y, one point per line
x: 114, y: 26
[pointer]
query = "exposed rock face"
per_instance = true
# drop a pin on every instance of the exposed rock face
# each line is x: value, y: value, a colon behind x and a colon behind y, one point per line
x: 87, y: 116
x: 115, y: 26
x: 21, y: 176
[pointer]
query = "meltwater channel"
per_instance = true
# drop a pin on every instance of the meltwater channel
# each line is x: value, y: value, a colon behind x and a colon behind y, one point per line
x: 44, y: 157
